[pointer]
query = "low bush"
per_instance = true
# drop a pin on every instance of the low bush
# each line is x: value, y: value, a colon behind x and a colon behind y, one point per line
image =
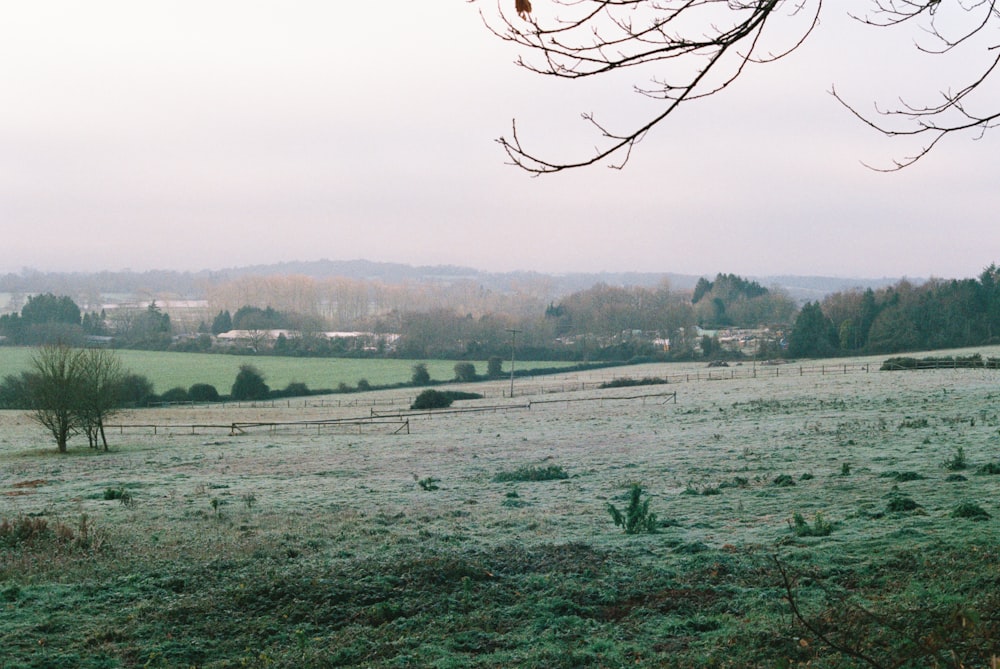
x: 203, y: 392
x: 430, y: 483
x: 902, y: 477
x: 23, y: 530
x: 820, y: 527
x: 174, y: 396
x: 637, y: 517
x: 440, y: 399
x: 431, y: 399
x: 626, y: 382
x: 971, y: 511
x: 957, y: 461
x: 989, y: 468
x: 901, y: 504
x: 527, y: 473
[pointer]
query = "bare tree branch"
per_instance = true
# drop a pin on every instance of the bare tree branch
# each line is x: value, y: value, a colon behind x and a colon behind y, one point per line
x: 697, y: 48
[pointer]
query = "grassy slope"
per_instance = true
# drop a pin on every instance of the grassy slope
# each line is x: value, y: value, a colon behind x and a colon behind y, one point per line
x: 299, y: 549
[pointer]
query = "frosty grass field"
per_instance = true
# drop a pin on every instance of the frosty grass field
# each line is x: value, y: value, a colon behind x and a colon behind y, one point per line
x: 352, y: 545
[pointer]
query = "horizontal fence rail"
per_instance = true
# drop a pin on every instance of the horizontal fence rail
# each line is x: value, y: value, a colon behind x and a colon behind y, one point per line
x: 528, y: 385
x: 761, y: 370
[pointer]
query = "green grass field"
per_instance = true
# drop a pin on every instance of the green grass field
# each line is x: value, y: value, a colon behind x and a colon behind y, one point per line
x: 483, y: 539
x: 169, y: 370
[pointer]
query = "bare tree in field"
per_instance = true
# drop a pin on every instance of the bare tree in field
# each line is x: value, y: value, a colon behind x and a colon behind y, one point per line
x: 690, y: 49
x: 55, y: 389
x: 102, y: 377
x: 72, y: 390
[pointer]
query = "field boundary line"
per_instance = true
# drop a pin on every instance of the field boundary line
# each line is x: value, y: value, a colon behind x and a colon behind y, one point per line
x: 603, y: 398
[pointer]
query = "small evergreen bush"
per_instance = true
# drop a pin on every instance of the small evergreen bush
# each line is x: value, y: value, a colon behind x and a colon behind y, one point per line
x: 637, y: 517
x: 820, y: 527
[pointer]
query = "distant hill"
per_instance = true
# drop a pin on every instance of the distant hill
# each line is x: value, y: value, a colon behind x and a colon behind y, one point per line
x: 800, y: 288
x: 192, y: 285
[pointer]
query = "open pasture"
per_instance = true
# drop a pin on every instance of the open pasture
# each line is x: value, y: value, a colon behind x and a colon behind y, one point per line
x: 302, y: 547
x: 169, y: 370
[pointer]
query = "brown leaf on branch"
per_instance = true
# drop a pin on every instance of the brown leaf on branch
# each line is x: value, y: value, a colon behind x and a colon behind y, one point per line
x: 523, y: 8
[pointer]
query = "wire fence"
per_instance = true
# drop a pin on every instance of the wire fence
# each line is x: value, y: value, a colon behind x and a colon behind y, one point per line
x: 392, y: 414
x: 757, y: 371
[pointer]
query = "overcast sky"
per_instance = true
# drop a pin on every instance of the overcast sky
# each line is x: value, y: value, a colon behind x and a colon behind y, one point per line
x: 215, y: 133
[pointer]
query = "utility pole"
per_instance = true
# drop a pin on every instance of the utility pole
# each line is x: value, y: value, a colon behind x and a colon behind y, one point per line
x: 513, y: 338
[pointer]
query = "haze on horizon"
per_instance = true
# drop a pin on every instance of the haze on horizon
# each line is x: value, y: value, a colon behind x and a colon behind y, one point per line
x: 196, y: 136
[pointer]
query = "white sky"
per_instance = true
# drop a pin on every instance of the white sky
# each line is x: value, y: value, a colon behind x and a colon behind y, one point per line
x: 218, y: 133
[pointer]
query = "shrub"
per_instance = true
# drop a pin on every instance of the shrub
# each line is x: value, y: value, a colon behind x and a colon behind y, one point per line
x: 527, y: 473
x: 900, y: 504
x: 783, y: 481
x: 25, y: 529
x: 494, y: 367
x: 421, y: 377
x: 135, y: 390
x: 441, y: 399
x: 429, y: 483
x: 203, y: 392
x: 364, y: 385
x: 249, y: 384
x: 465, y: 371
x: 431, y: 399
x: 989, y: 468
x: 626, y: 382
x: 296, y: 389
x: 637, y: 517
x: 820, y: 527
x: 174, y: 396
x: 970, y: 510
x: 957, y: 461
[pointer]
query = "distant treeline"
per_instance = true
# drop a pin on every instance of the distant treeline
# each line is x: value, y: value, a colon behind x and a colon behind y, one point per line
x: 937, y: 314
x: 602, y: 323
